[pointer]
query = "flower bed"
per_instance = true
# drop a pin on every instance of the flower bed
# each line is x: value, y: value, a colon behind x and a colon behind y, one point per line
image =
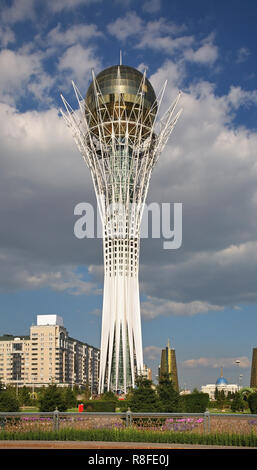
x: 189, y: 425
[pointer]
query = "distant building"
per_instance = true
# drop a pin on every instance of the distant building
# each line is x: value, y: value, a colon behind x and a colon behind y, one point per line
x: 221, y: 384
x: 49, y: 355
x: 253, y: 383
x: 147, y: 372
x: 185, y: 392
x: 169, y: 365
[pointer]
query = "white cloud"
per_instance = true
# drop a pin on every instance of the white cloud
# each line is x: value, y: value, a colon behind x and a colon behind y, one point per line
x: 151, y: 353
x: 18, y: 274
x: 122, y: 28
x: 78, y: 62
x: 242, y: 54
x: 70, y: 36
x: 16, y: 71
x: 158, y: 34
x: 63, y: 280
x: 238, y: 97
x: 206, y: 54
x: 151, y: 6
x: 60, y: 5
x: 20, y: 10
x: 216, y: 363
x: 7, y: 36
x: 153, y: 307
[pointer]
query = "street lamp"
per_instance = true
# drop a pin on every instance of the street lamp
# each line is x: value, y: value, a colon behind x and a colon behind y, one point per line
x: 238, y: 381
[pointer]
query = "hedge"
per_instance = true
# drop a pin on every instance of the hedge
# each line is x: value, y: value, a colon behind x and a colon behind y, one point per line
x: 195, y: 402
x: 100, y: 405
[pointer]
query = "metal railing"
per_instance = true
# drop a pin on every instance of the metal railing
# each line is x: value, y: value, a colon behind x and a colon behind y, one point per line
x: 192, y: 422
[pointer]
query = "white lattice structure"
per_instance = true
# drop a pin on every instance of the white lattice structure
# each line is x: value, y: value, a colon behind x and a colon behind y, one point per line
x: 118, y: 134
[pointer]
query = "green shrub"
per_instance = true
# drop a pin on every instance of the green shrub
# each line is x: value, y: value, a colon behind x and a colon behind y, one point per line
x: 144, y: 398
x: 52, y: 398
x: 195, y: 402
x: 8, y: 402
x: 69, y: 397
x: 123, y: 405
x: 100, y: 405
x: 252, y: 402
x: 109, y: 396
x: 237, y: 403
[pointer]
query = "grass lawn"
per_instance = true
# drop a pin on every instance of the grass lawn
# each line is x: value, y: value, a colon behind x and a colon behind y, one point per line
x: 228, y: 411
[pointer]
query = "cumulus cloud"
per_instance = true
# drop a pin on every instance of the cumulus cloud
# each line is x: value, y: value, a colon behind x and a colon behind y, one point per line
x: 151, y: 6
x: 159, y: 35
x: 205, y: 54
x: 19, y: 10
x: 16, y: 72
x: 7, y: 36
x: 238, y: 97
x: 216, y: 363
x: 122, y: 28
x: 60, y: 5
x: 153, y: 307
x: 73, y: 35
x: 25, y: 73
x: 152, y: 353
x: 78, y: 62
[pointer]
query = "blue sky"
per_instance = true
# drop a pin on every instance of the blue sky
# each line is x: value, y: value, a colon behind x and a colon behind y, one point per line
x: 203, y: 296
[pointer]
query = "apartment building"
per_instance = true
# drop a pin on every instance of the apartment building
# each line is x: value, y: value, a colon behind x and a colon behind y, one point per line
x: 48, y: 356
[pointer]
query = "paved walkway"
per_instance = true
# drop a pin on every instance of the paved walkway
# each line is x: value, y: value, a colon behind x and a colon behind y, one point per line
x: 103, y: 445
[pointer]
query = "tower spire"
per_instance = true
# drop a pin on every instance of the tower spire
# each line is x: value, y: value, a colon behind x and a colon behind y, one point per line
x: 120, y: 57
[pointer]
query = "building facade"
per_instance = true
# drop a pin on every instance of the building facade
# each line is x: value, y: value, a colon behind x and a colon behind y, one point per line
x: 116, y: 132
x: 169, y: 365
x: 49, y: 355
x: 221, y: 384
x: 253, y: 382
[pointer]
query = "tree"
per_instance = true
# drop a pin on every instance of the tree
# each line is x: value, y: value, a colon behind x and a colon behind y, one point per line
x: 24, y: 396
x: 237, y: 403
x: 168, y: 396
x: 252, y: 402
x: 195, y: 402
x: 87, y: 392
x: 144, y: 398
x: 221, y: 399
x: 69, y: 397
x: 52, y: 398
x: 109, y: 396
x: 8, y: 402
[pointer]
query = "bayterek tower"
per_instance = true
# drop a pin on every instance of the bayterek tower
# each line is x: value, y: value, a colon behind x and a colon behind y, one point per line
x: 120, y: 137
